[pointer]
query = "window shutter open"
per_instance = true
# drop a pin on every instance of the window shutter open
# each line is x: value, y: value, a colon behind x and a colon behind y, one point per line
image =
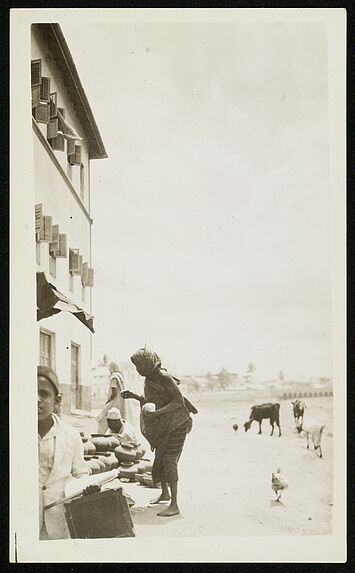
x: 46, y: 89
x: 35, y: 96
x: 46, y: 229
x: 54, y: 244
x: 74, y: 261
x: 52, y: 129
x: 36, y: 72
x: 58, y: 143
x: 61, y: 253
x: 38, y: 220
x: 53, y: 105
x: 80, y: 266
x: 41, y: 113
x: 70, y: 148
x: 90, y: 277
x: 75, y: 158
x: 84, y: 274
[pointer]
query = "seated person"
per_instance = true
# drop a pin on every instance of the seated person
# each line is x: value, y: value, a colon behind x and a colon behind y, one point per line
x: 121, y: 429
x: 60, y: 456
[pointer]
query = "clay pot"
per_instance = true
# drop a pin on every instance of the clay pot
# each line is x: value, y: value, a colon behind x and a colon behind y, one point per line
x: 141, y: 466
x: 128, y: 471
x: 94, y: 466
x: 90, y: 447
x: 148, y: 480
x: 113, y: 443
x: 140, y: 451
x: 125, y: 454
x: 101, y: 464
x: 140, y: 478
x: 101, y: 444
x: 148, y: 466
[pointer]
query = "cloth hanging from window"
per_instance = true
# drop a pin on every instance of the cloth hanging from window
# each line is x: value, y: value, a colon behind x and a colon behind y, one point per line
x: 50, y: 301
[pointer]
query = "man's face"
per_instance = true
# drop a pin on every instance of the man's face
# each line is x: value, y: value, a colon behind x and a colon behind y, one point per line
x: 46, y: 398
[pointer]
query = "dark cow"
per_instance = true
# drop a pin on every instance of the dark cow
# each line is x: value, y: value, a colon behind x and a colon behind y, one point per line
x: 264, y: 411
x: 298, y: 410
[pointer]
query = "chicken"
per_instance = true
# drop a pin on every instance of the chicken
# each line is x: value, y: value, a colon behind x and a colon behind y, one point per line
x: 278, y: 483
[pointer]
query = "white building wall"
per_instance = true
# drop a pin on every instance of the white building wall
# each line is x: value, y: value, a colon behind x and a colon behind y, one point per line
x: 70, y: 212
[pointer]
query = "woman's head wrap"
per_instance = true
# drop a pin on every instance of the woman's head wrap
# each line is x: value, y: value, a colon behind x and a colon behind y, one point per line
x: 147, y: 361
x: 119, y: 377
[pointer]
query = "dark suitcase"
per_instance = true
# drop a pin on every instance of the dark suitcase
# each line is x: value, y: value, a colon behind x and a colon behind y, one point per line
x: 99, y: 515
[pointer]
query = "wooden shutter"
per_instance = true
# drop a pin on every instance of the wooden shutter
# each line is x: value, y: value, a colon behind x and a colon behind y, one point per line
x: 74, y: 261
x: 70, y: 148
x: 53, y: 105
x: 54, y: 244
x: 46, y: 89
x: 58, y: 143
x: 75, y: 158
x: 84, y: 274
x: 61, y: 253
x: 41, y: 113
x: 90, y: 277
x: 46, y: 230
x: 35, y: 96
x: 38, y: 220
x: 36, y: 72
x: 52, y: 129
x: 80, y: 266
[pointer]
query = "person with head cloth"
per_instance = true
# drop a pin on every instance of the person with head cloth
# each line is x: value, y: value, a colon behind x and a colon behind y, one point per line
x: 60, y: 456
x: 165, y: 426
x: 114, y: 400
x: 121, y: 429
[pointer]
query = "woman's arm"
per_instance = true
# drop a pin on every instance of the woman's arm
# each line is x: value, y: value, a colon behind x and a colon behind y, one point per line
x: 127, y: 394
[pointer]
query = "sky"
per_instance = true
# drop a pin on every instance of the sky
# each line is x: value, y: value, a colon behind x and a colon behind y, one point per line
x: 211, y: 235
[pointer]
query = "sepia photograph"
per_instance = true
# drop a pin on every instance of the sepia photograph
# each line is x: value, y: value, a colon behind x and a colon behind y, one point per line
x: 177, y: 285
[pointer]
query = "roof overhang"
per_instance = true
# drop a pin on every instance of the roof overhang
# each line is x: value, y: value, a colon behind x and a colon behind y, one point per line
x: 53, y: 35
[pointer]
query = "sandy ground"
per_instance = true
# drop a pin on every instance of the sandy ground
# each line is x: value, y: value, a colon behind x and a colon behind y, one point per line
x: 225, y: 476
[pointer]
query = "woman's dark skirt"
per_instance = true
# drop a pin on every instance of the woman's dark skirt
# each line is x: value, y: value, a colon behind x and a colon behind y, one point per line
x: 168, y: 455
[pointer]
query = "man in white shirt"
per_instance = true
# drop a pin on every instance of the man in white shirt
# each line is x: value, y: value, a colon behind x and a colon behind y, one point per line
x: 121, y: 429
x: 60, y: 457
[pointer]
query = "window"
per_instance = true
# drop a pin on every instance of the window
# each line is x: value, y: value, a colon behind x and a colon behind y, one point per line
x: 75, y: 376
x: 52, y: 265
x: 47, y: 348
x: 38, y: 253
x: 71, y: 282
x: 82, y: 182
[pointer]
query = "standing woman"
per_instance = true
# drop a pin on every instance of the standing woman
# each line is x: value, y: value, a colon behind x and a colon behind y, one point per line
x: 114, y: 400
x: 166, y: 427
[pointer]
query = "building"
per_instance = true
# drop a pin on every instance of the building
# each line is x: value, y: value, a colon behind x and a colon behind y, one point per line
x: 65, y: 140
x: 100, y: 376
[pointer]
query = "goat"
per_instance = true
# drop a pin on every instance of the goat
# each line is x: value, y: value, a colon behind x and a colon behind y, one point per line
x: 314, y: 430
x: 298, y: 410
x: 264, y: 411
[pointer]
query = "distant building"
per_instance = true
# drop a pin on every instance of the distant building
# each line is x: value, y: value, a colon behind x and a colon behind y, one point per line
x: 65, y: 140
x: 100, y: 383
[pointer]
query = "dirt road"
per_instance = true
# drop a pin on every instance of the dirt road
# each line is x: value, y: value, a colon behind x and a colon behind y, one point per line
x: 225, y: 476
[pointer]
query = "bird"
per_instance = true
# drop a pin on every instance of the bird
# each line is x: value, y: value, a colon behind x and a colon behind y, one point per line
x: 278, y: 483
x: 235, y: 427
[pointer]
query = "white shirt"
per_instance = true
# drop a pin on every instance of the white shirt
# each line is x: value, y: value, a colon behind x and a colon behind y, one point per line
x: 60, y: 459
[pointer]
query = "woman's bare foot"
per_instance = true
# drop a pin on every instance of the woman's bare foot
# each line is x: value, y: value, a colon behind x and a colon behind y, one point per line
x: 169, y: 511
x: 163, y: 498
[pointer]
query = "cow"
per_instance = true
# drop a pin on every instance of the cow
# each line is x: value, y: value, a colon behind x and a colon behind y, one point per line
x: 314, y: 430
x: 298, y: 410
x: 264, y: 411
